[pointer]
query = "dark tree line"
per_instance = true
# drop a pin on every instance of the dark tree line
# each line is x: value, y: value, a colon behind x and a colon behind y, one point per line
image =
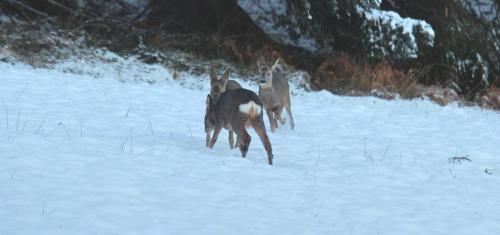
x: 465, y: 53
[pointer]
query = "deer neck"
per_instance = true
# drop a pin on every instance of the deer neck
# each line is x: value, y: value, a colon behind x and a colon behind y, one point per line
x: 268, y: 85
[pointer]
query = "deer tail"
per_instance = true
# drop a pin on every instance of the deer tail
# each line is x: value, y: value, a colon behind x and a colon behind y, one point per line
x: 251, y: 109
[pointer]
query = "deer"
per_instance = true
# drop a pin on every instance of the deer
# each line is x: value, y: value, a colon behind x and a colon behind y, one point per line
x: 218, y: 86
x: 238, y: 109
x: 274, y: 93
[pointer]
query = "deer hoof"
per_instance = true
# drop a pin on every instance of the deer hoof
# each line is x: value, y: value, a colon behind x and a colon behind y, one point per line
x: 282, y: 121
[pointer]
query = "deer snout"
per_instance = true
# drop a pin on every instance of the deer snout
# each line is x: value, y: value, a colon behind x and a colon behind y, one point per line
x: 262, y: 81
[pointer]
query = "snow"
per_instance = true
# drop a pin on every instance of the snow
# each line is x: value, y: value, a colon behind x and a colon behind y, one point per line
x: 395, y: 21
x: 274, y: 19
x: 87, y: 155
x: 136, y: 3
x: 128, y: 69
x: 5, y: 19
x: 474, y: 66
x: 484, y: 9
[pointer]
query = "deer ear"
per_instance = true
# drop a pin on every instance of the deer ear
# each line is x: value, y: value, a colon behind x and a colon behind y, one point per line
x: 275, y: 64
x: 208, y: 102
x: 225, y: 76
x: 213, y: 76
x: 261, y: 61
x: 209, y: 99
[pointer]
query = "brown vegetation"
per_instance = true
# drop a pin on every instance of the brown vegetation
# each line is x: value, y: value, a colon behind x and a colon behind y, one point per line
x: 357, y: 77
x: 345, y: 75
x: 491, y: 99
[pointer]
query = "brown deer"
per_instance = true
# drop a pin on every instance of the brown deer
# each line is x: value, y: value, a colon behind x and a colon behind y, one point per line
x: 218, y: 86
x: 238, y: 109
x: 274, y: 93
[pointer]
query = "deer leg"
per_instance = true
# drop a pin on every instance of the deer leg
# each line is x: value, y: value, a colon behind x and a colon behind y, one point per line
x: 271, y: 119
x: 207, y: 139
x: 289, y: 112
x: 278, y: 113
x: 214, y: 137
x: 275, y: 118
x: 243, y: 142
x: 231, y: 139
x: 258, y: 126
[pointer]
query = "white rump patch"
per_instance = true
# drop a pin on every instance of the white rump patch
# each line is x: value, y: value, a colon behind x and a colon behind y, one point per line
x: 251, y: 108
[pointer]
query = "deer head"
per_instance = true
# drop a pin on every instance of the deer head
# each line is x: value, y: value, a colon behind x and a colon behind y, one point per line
x: 266, y: 74
x: 217, y: 85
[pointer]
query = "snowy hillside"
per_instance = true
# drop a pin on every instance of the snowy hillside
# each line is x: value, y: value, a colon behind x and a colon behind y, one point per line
x: 86, y: 155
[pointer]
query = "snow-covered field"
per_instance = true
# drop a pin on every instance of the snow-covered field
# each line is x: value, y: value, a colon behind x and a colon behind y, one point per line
x: 80, y: 155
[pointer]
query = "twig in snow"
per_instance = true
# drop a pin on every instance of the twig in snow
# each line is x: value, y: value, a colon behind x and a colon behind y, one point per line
x: 319, y: 151
x: 55, y: 128
x: 66, y: 129
x: 52, y: 131
x: 13, y: 174
x: 7, y: 116
x: 128, y: 110
x: 455, y: 159
x: 131, y: 143
x: 20, y: 94
x: 123, y: 143
x: 386, y: 149
x: 314, y: 174
x: 81, y: 127
x: 150, y: 127
x: 399, y: 167
x: 18, y: 116
x: 189, y: 129
x: 24, y: 125
x: 364, y: 147
x: 316, y: 163
x: 338, y: 150
x: 39, y: 127
x: 319, y: 208
x: 368, y: 156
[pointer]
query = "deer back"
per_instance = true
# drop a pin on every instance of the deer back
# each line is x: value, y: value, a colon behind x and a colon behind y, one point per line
x: 281, y: 90
x: 237, y: 104
x: 232, y: 85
